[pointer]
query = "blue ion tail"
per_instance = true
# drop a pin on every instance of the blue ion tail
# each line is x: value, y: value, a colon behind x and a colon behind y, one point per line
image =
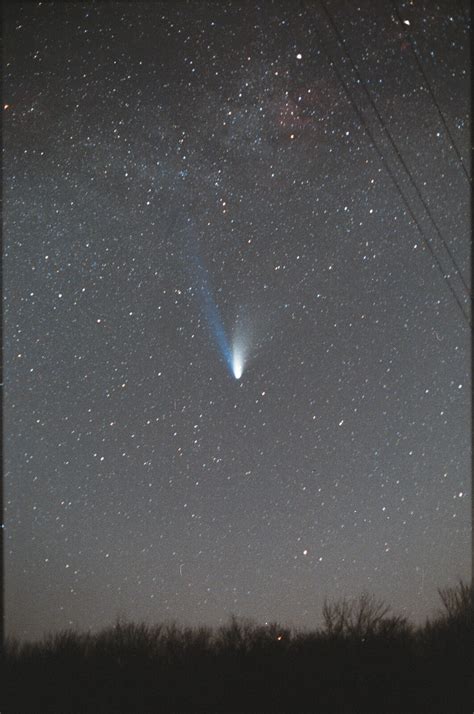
x: 233, y: 363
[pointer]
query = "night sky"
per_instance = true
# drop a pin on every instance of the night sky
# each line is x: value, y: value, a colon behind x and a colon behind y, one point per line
x: 236, y: 378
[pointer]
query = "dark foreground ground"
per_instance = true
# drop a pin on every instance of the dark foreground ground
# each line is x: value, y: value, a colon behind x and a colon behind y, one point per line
x: 362, y: 660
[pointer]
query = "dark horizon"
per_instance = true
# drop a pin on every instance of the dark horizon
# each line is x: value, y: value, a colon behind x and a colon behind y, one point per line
x: 236, y: 323
x: 363, y: 659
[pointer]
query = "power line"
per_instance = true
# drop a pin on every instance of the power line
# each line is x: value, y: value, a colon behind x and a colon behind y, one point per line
x: 342, y: 42
x: 394, y: 179
x: 400, y: 158
x: 430, y: 89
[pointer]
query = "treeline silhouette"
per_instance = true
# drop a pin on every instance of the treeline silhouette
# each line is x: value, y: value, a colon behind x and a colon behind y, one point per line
x: 363, y: 659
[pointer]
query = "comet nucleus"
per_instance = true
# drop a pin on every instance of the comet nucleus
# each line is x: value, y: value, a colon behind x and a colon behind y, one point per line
x: 237, y: 365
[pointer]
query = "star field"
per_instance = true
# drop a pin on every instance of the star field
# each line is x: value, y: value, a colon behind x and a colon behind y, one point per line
x: 180, y: 177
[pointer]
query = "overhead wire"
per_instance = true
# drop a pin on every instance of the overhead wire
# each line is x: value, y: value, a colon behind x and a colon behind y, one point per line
x: 389, y: 170
x: 429, y: 88
x: 343, y: 43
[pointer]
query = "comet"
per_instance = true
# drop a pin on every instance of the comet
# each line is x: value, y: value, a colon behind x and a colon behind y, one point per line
x: 237, y: 364
x: 231, y: 350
